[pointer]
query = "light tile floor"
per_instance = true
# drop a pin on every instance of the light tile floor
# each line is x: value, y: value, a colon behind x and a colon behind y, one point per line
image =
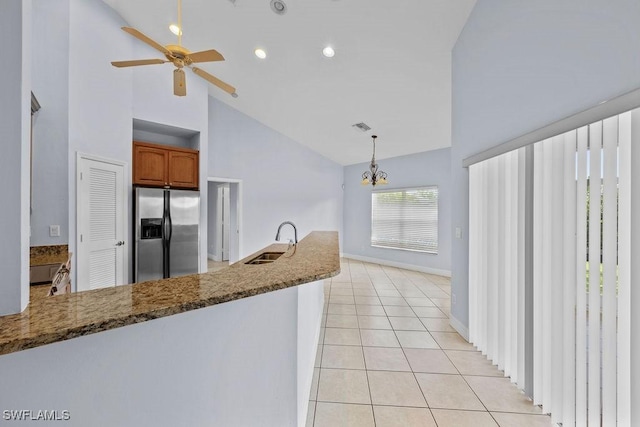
x: 387, y: 356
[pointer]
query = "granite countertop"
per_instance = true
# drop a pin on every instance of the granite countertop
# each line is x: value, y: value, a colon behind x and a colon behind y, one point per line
x: 43, y: 255
x: 48, y: 259
x: 63, y: 317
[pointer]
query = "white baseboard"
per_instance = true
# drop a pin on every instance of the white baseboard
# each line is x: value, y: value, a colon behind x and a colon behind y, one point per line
x: 458, y: 326
x: 213, y: 257
x: 429, y: 270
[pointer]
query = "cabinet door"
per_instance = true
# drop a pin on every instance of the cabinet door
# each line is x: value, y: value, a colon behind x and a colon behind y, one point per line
x: 150, y: 165
x: 183, y: 169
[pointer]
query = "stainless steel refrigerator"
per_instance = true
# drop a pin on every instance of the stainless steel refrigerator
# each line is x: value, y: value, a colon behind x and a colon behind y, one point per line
x: 167, y: 233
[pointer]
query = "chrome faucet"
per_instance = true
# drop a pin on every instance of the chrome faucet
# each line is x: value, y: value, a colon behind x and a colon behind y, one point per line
x: 295, y: 231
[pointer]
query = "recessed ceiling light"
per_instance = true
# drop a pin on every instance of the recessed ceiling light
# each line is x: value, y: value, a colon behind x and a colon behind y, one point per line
x: 260, y: 53
x: 278, y: 7
x: 328, y: 52
x: 175, y: 29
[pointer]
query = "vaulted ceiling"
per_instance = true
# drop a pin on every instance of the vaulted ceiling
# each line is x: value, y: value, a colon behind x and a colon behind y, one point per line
x: 391, y: 69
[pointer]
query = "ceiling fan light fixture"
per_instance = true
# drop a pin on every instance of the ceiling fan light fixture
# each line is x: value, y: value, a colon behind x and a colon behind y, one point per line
x: 175, y: 29
x: 179, y: 82
x: 328, y: 52
x: 180, y: 57
x: 260, y: 53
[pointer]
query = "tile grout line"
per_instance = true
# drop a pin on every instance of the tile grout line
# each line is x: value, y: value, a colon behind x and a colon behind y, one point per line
x: 393, y: 276
x: 415, y: 378
x: 439, y: 346
x: 315, y: 409
x: 373, y: 413
x: 403, y: 348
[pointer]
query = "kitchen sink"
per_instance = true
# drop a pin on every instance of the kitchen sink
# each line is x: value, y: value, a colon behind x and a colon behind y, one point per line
x: 265, y: 258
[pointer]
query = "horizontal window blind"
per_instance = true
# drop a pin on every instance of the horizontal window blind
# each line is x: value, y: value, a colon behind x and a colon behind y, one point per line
x: 405, y: 219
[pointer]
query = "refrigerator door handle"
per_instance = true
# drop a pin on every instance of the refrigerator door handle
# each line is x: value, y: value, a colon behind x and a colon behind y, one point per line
x: 164, y: 229
x: 170, y: 228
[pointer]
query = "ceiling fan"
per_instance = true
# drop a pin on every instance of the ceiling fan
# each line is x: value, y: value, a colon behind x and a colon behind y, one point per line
x: 181, y: 58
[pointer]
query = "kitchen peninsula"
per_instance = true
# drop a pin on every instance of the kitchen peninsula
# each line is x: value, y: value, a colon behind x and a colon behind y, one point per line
x: 210, y: 356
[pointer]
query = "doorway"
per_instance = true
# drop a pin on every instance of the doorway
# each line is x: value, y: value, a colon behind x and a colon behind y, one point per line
x: 224, y: 217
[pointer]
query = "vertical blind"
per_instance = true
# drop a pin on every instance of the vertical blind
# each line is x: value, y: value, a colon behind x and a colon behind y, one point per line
x: 496, y: 264
x: 554, y: 273
x: 405, y: 219
x: 582, y: 269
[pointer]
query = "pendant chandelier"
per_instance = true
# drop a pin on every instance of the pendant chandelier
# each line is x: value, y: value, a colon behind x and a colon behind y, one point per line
x: 374, y: 176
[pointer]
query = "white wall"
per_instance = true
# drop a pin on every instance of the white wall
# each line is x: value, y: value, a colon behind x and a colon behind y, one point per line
x: 15, y: 134
x: 518, y: 66
x: 159, y: 138
x: 216, y: 366
x: 104, y: 100
x: 100, y: 97
x: 415, y: 170
x: 308, y: 325
x: 282, y: 180
x: 50, y: 82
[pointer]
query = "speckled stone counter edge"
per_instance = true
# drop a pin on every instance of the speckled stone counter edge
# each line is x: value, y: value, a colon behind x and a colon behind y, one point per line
x: 64, y: 317
x: 52, y: 254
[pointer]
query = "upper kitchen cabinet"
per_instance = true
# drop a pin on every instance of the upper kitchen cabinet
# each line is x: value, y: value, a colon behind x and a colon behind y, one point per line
x: 165, y: 166
x: 150, y: 164
x: 183, y: 169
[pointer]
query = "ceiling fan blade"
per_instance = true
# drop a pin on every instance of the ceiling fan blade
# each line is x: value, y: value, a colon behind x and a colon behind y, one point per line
x: 137, y: 34
x: 134, y: 63
x: 179, y: 82
x: 214, y: 80
x: 206, y: 56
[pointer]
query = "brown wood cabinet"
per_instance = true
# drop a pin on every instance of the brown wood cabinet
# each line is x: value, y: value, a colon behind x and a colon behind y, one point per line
x: 164, y: 166
x: 183, y: 169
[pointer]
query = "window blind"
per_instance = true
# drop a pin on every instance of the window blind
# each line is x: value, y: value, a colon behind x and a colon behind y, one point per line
x: 405, y: 219
x: 497, y: 262
x: 583, y: 270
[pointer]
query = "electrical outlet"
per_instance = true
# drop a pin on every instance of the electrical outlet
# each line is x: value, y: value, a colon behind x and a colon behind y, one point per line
x: 453, y: 299
x: 458, y: 233
x: 54, y: 231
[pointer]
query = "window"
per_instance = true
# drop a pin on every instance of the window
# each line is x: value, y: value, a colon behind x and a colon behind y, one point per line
x: 405, y: 219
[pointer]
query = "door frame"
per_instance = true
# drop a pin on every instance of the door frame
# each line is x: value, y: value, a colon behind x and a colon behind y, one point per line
x: 222, y: 200
x: 125, y: 214
x: 239, y: 207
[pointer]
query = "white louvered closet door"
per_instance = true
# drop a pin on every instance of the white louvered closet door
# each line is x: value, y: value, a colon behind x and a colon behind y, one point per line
x: 101, y: 218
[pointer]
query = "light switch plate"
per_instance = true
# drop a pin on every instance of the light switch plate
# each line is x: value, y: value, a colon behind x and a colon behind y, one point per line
x: 54, y: 231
